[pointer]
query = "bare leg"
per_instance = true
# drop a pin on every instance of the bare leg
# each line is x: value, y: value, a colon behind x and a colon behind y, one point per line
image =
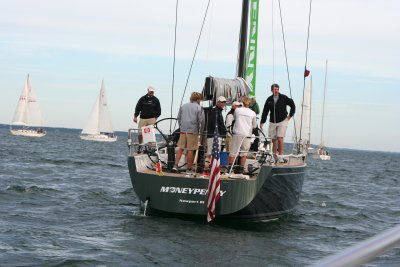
x: 140, y: 137
x: 243, y: 161
x: 274, y: 146
x: 189, y: 159
x: 280, y: 145
x: 178, y: 156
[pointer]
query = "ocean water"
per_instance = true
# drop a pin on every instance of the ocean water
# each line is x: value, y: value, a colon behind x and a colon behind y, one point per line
x: 68, y: 202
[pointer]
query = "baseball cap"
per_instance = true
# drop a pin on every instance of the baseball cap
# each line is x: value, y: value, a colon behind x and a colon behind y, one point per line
x: 236, y: 103
x: 151, y: 89
x: 221, y: 99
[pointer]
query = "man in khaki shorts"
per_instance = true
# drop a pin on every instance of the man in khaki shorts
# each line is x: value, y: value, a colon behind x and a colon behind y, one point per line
x: 149, y: 109
x: 190, y: 119
x: 276, y: 105
x: 245, y: 122
x: 229, y: 122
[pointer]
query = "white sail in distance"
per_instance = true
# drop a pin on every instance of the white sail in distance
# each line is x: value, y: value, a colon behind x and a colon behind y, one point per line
x: 303, y: 115
x: 28, y: 112
x: 99, y: 126
x: 105, y: 125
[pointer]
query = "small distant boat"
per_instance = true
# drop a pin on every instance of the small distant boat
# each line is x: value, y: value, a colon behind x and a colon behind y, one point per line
x: 310, y: 150
x: 323, y: 153
x: 99, y: 126
x: 322, y: 150
x: 27, y: 120
x: 304, y: 118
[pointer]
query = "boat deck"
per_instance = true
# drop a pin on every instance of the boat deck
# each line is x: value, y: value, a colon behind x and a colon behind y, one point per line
x: 199, y: 175
x: 146, y: 166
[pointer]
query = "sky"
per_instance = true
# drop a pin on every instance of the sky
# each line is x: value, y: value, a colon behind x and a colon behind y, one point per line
x: 68, y: 47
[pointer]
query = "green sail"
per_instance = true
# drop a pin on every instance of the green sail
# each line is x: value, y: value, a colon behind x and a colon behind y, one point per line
x: 251, y: 57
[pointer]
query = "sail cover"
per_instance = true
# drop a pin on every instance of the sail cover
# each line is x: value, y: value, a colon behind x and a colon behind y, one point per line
x: 231, y: 89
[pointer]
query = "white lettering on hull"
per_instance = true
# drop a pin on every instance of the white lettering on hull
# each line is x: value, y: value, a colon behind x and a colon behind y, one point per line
x: 186, y: 190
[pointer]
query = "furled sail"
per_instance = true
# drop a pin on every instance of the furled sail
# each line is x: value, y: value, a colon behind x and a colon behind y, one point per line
x: 231, y: 89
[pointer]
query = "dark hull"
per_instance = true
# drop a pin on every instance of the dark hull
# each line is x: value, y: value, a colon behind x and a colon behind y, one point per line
x: 274, y: 192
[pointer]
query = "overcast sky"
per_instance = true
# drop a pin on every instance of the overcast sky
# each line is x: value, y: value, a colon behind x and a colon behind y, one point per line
x: 69, y: 46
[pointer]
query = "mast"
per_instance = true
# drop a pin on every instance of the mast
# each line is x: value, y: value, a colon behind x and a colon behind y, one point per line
x: 241, y: 67
x: 323, y: 105
x: 309, y: 123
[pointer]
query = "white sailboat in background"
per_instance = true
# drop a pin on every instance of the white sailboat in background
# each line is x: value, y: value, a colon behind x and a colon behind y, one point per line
x: 322, y: 151
x: 99, y: 126
x: 27, y: 120
x: 303, y: 118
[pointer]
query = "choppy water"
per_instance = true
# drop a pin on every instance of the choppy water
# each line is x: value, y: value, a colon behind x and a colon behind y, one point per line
x: 68, y: 202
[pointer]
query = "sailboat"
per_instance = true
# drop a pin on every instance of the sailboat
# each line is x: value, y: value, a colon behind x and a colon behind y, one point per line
x: 99, y: 126
x: 322, y: 151
x: 303, y: 117
x: 266, y: 190
x: 27, y: 120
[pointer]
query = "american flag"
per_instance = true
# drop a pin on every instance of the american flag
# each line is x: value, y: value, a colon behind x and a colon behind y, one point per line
x: 214, y: 184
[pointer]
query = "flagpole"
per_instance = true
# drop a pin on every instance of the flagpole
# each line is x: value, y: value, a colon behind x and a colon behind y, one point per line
x: 213, y: 193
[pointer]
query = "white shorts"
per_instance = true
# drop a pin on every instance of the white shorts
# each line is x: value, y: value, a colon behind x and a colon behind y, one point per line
x: 239, y: 143
x: 278, y: 129
x: 210, y: 144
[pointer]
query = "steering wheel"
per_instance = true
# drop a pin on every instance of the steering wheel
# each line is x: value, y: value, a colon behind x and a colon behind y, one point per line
x: 168, y: 142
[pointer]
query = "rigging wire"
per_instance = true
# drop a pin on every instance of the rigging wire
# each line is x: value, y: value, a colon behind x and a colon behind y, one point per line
x: 194, y: 55
x: 173, y: 66
x: 195, y: 51
x: 305, y: 70
x: 273, y: 42
x: 287, y: 65
x: 323, y: 106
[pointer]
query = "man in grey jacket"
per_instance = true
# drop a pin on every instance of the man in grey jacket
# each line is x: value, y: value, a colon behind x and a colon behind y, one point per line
x: 190, y: 119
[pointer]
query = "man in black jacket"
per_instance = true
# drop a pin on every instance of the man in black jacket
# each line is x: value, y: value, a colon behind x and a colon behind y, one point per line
x: 214, y: 115
x: 149, y: 109
x: 278, y: 118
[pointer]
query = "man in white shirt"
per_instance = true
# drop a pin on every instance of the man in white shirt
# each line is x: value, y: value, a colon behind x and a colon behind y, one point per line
x: 245, y: 122
x: 229, y: 122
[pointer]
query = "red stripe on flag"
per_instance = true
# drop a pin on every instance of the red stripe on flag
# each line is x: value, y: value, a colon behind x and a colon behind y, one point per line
x: 214, y: 183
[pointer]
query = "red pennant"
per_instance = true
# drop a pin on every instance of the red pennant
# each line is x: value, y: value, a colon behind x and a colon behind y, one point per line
x: 306, y: 72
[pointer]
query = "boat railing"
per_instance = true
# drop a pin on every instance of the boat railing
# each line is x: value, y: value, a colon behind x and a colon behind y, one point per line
x: 257, y: 156
x: 365, y: 251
